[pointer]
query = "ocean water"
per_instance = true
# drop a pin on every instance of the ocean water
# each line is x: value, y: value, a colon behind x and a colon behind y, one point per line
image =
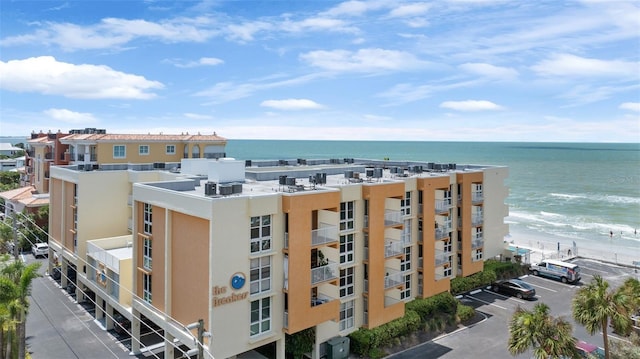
x: 578, y: 192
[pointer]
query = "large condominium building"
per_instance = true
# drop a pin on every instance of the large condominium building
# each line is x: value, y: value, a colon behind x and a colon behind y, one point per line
x: 260, y: 249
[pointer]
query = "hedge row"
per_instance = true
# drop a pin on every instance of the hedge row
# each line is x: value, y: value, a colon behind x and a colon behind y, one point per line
x: 493, y: 270
x: 368, y: 341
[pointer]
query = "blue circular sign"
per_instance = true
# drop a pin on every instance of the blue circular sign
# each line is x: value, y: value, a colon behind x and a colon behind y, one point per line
x: 238, y: 280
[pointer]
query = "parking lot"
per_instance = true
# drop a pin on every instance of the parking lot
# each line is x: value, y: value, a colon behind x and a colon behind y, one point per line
x: 488, y: 338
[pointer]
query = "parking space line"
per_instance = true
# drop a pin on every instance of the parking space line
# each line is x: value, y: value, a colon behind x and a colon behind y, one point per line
x: 593, y: 269
x: 504, y: 296
x: 541, y: 287
x: 485, y: 302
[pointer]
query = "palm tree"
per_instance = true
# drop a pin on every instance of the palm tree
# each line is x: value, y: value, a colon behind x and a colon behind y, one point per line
x: 548, y: 336
x: 595, y: 306
x: 16, y: 287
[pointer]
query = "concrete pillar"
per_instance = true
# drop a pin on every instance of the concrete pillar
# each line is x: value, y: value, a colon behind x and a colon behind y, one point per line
x: 280, y: 349
x: 109, y: 319
x: 135, y: 332
x: 169, y: 346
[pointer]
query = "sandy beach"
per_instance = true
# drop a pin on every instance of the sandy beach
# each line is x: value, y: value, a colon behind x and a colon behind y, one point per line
x: 542, y: 245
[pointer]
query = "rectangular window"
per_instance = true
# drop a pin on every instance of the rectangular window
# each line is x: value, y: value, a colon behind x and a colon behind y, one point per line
x: 478, y: 254
x: 406, y: 291
x: 143, y: 150
x: 146, y: 253
x: 146, y: 287
x: 119, y: 151
x: 260, y: 275
x: 260, y: 316
x: 147, y: 218
x: 405, y: 204
x: 346, y: 315
x: 346, y: 249
x: 347, y: 216
x: 171, y: 149
x: 347, y: 287
x: 260, y: 234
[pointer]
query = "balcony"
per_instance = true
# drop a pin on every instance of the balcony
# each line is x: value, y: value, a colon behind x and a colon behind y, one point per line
x: 443, y: 206
x: 405, y: 238
x: 324, y: 273
x: 476, y: 220
x: 477, y: 242
x: 320, y: 299
x: 323, y: 235
x: 389, y: 301
x: 285, y: 323
x: 477, y: 197
x: 442, y: 233
x: 392, y: 217
x: 442, y: 257
x: 393, y: 248
x: 392, y: 279
x: 441, y: 276
x: 286, y: 240
x: 420, y: 262
x: 48, y: 156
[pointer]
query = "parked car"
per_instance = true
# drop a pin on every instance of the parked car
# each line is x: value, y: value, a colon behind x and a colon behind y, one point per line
x: 121, y: 324
x: 565, y: 271
x: 587, y: 350
x: 515, y: 287
x: 40, y: 249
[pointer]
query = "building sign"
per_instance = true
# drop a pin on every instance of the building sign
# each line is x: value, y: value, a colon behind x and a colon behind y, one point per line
x: 222, y: 296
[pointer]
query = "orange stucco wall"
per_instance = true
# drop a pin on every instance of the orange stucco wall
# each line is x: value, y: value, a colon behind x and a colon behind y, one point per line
x: 56, y: 211
x: 377, y: 194
x: 190, y: 268
x: 68, y: 216
x: 301, y: 314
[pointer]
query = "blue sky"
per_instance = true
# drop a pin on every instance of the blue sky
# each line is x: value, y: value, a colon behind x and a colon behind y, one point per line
x: 460, y: 70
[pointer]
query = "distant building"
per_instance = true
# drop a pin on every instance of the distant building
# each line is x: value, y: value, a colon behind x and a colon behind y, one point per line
x: 258, y: 249
x: 7, y: 149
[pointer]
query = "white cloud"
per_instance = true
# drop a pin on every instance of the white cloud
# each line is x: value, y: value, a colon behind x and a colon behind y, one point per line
x: 197, y: 116
x: 364, y: 60
x: 292, y: 104
x: 568, y: 65
x: 317, y: 24
x: 631, y: 106
x: 355, y: 8
x: 203, y: 61
x: 491, y: 71
x: 48, y: 76
x: 410, y: 10
x: 471, y: 105
x: 245, y: 32
x: 68, y: 116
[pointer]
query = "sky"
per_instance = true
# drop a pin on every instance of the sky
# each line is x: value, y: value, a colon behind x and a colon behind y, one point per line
x: 457, y: 70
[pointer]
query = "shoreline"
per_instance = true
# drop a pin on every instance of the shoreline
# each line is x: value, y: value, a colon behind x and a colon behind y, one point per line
x: 544, y: 245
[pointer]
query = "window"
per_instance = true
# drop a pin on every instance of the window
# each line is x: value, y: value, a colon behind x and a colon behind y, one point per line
x: 260, y: 275
x: 346, y: 248
x: 146, y: 287
x: 147, y: 218
x: 347, y: 217
x: 478, y: 254
x: 260, y: 316
x: 347, y: 288
x: 405, y: 264
x: 405, y: 204
x: 143, y: 150
x: 171, y: 149
x: 406, y: 291
x: 146, y: 253
x: 346, y: 315
x: 119, y: 151
x: 260, y: 234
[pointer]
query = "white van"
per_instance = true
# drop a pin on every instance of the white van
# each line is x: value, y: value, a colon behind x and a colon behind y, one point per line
x: 565, y: 271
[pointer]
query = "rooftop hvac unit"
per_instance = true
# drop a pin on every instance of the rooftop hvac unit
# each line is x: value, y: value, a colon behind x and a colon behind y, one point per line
x: 282, y: 180
x: 348, y: 174
x: 210, y: 189
x: 369, y: 172
x: 377, y: 173
x: 291, y: 181
x: 226, y: 189
x: 236, y: 188
x: 321, y: 178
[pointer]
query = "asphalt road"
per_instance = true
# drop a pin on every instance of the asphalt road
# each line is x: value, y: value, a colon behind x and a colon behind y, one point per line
x: 59, y: 328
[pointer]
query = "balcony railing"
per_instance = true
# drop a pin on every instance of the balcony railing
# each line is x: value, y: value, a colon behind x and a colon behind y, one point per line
x: 286, y: 240
x: 366, y: 221
x: 393, y: 248
x: 366, y: 286
x: 420, y: 262
x: 392, y: 217
x: 477, y: 197
x: 476, y: 220
x: 326, y: 234
x: 392, y: 279
x: 441, y: 233
x: 420, y: 206
x: 389, y: 301
x: 286, y: 319
x: 320, y: 299
x: 440, y: 276
x: 478, y: 242
x: 442, y: 257
x: 443, y: 205
x: 324, y: 273
x: 405, y: 238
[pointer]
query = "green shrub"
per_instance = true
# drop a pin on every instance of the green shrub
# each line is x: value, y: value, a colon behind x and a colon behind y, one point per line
x: 465, y: 312
x: 439, y: 303
x: 366, y: 341
x: 476, y: 280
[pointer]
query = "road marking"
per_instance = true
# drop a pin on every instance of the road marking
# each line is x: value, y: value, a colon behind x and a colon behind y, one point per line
x: 485, y: 302
x: 541, y: 287
x: 593, y: 269
x: 504, y: 296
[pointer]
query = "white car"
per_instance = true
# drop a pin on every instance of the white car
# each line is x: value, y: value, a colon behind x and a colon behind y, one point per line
x: 40, y: 249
